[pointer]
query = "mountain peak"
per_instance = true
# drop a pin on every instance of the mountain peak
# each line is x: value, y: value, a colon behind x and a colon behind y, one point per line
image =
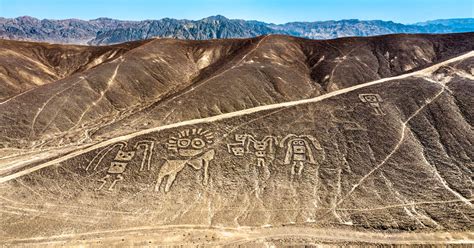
x: 216, y: 18
x: 26, y: 18
x: 102, y: 19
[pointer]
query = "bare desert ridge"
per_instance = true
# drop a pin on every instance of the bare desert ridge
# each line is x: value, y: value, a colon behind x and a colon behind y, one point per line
x: 273, y: 140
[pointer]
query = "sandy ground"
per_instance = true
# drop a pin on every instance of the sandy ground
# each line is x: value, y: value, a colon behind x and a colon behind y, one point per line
x: 22, y: 162
x: 288, y: 235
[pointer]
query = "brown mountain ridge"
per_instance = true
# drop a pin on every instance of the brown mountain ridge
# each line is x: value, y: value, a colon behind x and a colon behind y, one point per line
x: 161, y: 81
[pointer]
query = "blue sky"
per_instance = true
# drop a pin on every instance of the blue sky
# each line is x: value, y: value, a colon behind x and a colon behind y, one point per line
x: 276, y: 11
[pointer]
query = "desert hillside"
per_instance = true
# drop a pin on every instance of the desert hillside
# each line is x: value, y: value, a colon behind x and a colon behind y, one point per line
x: 270, y: 140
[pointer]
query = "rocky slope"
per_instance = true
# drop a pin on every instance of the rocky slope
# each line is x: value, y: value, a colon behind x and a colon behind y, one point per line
x: 273, y: 140
x: 165, y: 81
x: 383, y: 162
x: 105, y: 31
x: 24, y: 65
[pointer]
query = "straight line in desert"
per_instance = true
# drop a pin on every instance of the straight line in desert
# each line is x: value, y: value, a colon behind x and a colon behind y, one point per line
x: 237, y: 235
x: 423, y: 72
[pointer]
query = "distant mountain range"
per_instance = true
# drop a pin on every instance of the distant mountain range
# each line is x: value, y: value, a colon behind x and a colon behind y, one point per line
x: 103, y: 31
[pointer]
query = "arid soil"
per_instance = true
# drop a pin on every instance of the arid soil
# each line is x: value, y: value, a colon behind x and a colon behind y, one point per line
x: 268, y: 141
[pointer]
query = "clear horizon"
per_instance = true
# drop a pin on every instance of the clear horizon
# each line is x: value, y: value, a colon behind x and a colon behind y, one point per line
x: 278, y: 11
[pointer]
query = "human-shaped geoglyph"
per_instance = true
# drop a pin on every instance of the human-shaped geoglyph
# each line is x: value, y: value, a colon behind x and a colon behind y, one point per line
x: 374, y: 101
x: 299, y: 151
x: 240, y: 147
x: 190, y: 147
x: 118, y: 165
x: 262, y: 149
